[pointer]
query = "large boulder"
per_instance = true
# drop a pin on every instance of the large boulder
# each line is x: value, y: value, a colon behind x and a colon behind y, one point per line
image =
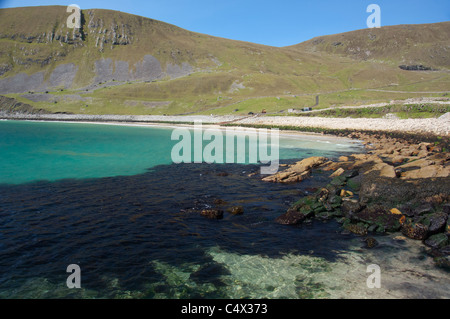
x: 415, y: 231
x: 388, y: 191
x: 427, y: 172
x: 297, y: 172
x: 365, y: 162
x: 307, y: 164
x: 438, y: 223
x: 383, y: 169
x: 337, y: 172
x: 378, y: 216
x: 350, y: 207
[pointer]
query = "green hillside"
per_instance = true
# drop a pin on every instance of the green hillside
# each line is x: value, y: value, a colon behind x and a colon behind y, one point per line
x: 425, y: 44
x: 119, y: 63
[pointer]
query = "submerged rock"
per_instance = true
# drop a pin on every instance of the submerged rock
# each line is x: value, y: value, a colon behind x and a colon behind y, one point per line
x: 437, y: 241
x: 357, y: 229
x: 219, y: 201
x: 443, y: 262
x: 236, y: 210
x: 371, y: 242
x: 212, y: 213
x: 222, y: 174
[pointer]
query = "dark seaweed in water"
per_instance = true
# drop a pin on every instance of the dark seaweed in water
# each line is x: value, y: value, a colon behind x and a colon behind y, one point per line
x: 115, y: 227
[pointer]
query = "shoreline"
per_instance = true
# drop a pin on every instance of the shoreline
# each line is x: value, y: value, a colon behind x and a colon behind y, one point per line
x: 399, y: 187
x: 162, y: 124
x: 295, y: 125
x: 436, y: 126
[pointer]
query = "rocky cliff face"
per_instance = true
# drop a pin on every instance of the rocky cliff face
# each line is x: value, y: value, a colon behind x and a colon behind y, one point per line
x: 49, y: 57
x: 114, y: 34
x: 101, y: 32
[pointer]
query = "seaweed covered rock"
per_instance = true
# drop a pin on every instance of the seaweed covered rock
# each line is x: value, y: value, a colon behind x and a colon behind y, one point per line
x: 339, y: 181
x: 350, y: 207
x: 378, y: 216
x: 300, y: 211
x: 356, y: 229
x: 291, y: 217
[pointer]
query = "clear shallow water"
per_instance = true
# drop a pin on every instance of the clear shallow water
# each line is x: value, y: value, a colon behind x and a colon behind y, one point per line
x: 32, y: 151
x: 134, y: 235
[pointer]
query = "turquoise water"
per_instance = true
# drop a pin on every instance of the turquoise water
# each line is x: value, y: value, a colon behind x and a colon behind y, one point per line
x: 33, y: 151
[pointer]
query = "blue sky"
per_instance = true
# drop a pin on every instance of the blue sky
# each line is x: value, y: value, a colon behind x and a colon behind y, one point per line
x: 277, y: 23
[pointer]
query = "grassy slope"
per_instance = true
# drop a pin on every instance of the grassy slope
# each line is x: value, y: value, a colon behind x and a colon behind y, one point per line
x: 262, y: 77
x: 425, y: 44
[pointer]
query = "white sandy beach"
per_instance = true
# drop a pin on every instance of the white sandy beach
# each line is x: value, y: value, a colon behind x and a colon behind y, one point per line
x: 438, y: 126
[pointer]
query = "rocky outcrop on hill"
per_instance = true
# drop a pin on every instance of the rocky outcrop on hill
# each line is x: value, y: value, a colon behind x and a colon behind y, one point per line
x: 58, y: 33
x: 112, y: 35
x: 47, y: 50
x: 61, y: 77
x: 416, y: 68
x: 93, y: 26
x: 10, y: 105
